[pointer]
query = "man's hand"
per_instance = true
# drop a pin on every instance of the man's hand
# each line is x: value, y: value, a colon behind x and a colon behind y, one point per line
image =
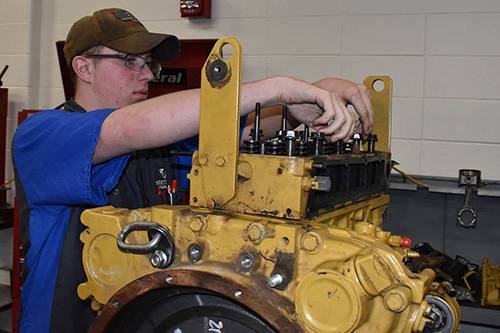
x: 314, y: 106
x: 329, y: 116
x: 357, y: 95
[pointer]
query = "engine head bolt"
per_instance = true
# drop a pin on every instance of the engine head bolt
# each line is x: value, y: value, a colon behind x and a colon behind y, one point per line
x: 198, y: 223
x: 203, y: 159
x: 275, y: 280
x: 220, y: 161
x: 256, y: 232
x: 398, y: 299
x: 311, y: 242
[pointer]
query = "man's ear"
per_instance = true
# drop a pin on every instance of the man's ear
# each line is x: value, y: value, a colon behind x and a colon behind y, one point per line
x: 83, y: 68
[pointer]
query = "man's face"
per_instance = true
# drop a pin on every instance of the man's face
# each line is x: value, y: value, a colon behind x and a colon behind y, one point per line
x: 117, y: 86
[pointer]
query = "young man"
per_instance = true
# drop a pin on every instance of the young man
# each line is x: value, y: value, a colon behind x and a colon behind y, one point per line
x: 110, y: 146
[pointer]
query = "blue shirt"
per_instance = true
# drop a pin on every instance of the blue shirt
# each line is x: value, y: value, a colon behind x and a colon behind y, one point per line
x: 53, y: 152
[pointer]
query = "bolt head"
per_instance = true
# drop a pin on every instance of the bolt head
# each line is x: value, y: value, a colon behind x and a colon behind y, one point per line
x: 159, y: 259
x: 256, y: 232
x: 220, y: 161
x: 311, y: 242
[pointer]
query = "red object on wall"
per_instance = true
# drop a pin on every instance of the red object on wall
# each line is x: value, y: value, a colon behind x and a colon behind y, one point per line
x: 185, y: 71
x: 22, y: 115
x: 196, y: 8
x: 17, y: 266
x: 69, y: 89
x: 4, y: 93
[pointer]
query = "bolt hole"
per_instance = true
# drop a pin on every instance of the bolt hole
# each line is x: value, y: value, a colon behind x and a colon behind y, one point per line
x: 285, y: 241
x: 279, y: 171
x: 378, y: 85
x: 196, y: 172
x: 195, y: 199
x: 227, y: 51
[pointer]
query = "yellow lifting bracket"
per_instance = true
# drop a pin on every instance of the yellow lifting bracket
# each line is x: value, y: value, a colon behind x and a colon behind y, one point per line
x: 219, y: 127
x: 380, y: 88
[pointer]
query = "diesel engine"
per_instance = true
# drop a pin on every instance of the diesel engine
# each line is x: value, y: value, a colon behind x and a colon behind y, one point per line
x: 281, y: 235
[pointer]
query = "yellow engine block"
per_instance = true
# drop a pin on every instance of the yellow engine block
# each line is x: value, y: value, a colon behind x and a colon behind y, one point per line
x: 254, y: 249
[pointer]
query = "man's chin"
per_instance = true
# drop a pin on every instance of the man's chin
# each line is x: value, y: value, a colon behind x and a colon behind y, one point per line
x: 139, y: 99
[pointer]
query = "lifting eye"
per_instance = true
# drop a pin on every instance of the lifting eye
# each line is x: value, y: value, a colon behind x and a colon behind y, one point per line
x: 217, y: 71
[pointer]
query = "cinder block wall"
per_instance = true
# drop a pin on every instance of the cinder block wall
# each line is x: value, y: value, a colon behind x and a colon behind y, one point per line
x: 443, y: 56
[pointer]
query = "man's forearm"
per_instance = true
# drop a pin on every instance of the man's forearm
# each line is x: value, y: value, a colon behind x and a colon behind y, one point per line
x: 166, y: 119
x: 173, y: 117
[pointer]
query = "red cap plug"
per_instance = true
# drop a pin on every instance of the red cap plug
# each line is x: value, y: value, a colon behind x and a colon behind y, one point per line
x: 405, y: 242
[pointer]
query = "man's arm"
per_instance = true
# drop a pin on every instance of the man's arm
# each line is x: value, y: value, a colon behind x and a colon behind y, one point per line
x: 348, y: 93
x: 173, y: 117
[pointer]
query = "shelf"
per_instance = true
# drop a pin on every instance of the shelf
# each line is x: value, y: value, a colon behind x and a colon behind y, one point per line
x: 480, y: 316
x: 443, y: 185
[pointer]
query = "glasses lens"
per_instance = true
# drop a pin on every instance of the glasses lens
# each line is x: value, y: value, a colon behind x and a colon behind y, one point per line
x: 155, y: 69
x: 135, y: 63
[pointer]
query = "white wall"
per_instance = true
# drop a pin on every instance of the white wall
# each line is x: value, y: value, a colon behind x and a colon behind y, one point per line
x: 443, y: 56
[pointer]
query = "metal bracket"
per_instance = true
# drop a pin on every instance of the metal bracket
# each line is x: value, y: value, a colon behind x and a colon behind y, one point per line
x: 380, y: 88
x: 161, y: 244
x: 213, y: 177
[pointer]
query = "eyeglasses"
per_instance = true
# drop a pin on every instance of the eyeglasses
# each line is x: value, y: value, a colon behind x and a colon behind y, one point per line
x: 133, y: 62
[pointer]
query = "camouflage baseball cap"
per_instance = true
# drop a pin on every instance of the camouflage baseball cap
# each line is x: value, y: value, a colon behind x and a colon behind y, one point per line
x: 120, y: 30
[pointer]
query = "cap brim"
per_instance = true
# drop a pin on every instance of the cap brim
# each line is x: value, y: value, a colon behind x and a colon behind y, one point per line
x: 162, y: 46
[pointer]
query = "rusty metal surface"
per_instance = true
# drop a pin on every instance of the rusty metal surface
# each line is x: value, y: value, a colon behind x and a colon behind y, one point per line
x: 265, y: 307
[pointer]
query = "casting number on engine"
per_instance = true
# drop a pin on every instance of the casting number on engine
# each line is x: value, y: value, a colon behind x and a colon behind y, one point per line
x: 215, y: 327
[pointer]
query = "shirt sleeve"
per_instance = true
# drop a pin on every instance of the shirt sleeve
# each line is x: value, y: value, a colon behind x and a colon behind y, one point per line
x: 53, y: 152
